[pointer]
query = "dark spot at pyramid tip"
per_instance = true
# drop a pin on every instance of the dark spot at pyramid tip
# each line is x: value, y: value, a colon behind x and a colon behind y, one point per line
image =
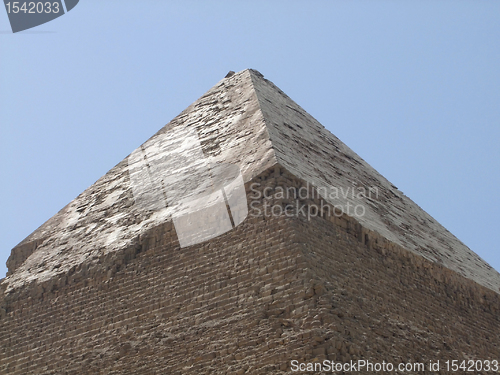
x: 255, y: 72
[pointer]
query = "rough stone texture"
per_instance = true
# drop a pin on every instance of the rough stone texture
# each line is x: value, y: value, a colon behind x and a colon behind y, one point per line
x: 104, y: 218
x: 272, y: 290
x: 103, y: 289
x: 247, y: 121
x: 309, y: 151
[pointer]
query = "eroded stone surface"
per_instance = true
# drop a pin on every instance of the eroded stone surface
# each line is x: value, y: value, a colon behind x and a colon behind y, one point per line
x: 104, y: 217
x: 273, y: 290
x: 247, y: 121
x: 112, y: 292
x: 309, y: 151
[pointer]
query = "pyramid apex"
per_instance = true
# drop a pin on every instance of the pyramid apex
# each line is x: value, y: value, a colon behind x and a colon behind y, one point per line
x: 247, y: 121
x: 252, y: 72
x: 256, y: 73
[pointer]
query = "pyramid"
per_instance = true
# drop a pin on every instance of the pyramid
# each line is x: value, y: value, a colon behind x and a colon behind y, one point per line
x: 243, y: 237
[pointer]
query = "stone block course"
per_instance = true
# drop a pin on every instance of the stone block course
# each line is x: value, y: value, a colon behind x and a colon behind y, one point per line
x: 272, y: 290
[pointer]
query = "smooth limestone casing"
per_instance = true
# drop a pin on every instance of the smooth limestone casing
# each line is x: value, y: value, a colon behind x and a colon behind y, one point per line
x: 104, y: 218
x: 309, y: 151
x: 103, y: 288
x: 247, y: 121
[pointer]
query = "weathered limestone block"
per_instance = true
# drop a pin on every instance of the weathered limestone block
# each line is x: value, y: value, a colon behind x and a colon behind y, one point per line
x: 102, y: 288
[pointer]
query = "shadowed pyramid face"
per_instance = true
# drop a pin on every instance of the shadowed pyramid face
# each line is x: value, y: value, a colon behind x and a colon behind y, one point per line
x: 24, y: 15
x: 171, y: 171
x: 193, y: 170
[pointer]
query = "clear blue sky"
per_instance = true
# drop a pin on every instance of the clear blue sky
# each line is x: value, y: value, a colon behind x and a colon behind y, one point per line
x: 412, y: 86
